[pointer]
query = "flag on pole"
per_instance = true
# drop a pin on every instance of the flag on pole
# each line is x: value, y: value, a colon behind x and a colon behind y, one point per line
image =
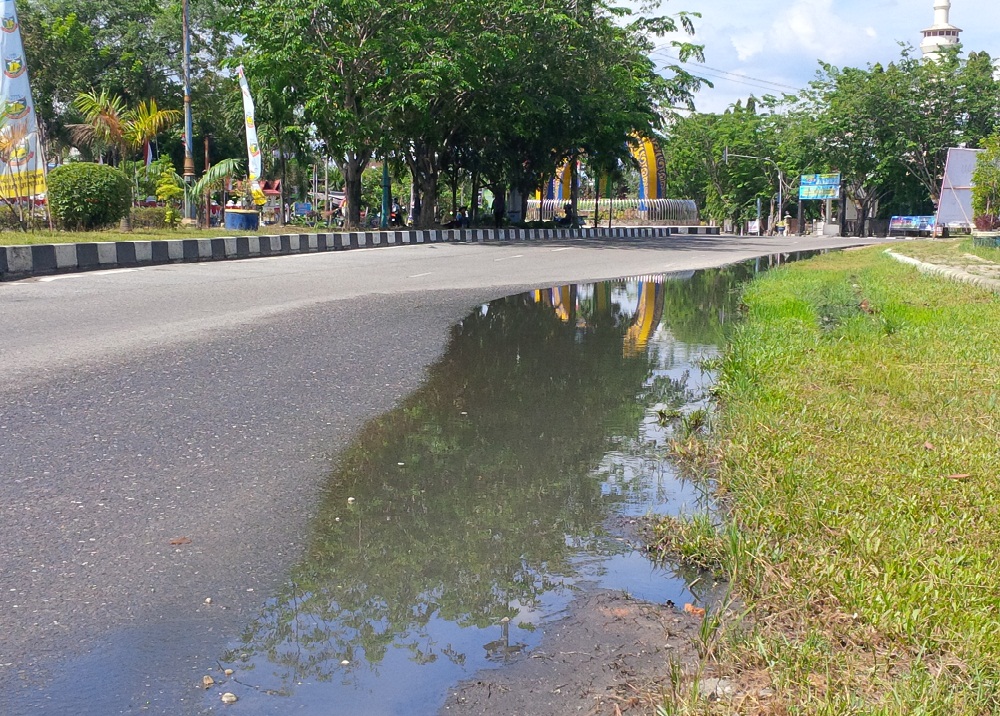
x: 253, y: 148
x: 148, y: 154
x: 22, y: 164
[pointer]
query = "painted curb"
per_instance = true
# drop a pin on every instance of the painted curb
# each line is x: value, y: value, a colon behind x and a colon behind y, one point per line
x: 18, y: 262
x: 990, y: 284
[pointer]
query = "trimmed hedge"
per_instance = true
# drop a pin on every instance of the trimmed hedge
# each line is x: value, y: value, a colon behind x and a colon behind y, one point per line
x: 84, y: 196
x: 149, y: 217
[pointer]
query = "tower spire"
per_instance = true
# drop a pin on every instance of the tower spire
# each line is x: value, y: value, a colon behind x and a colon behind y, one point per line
x: 941, y: 34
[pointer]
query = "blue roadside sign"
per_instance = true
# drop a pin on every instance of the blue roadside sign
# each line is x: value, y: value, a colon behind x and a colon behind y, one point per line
x: 819, y: 186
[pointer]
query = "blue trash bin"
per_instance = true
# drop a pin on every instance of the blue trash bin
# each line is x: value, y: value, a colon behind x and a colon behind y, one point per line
x: 242, y: 219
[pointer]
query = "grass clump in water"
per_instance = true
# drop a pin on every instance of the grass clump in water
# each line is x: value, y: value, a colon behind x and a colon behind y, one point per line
x: 860, y: 457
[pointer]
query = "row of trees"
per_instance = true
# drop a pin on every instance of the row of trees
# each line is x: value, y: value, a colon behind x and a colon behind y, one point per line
x: 886, y: 129
x: 448, y: 91
x: 499, y: 92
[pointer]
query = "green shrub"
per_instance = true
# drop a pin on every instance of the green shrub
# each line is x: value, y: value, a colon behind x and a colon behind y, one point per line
x: 149, y: 217
x: 86, y: 196
x: 986, y: 184
x: 9, y: 220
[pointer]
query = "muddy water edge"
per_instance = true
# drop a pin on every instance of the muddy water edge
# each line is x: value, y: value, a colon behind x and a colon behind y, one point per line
x: 477, y: 547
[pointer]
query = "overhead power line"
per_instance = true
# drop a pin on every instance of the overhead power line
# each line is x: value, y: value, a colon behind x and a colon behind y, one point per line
x: 760, y: 83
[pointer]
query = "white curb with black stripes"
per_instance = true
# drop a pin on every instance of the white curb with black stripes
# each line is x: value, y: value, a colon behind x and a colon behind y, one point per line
x: 17, y: 262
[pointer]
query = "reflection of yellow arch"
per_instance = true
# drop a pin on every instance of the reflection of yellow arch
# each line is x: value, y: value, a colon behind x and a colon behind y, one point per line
x: 649, y: 312
x: 562, y: 302
x: 559, y: 299
x: 602, y: 299
x: 647, y: 318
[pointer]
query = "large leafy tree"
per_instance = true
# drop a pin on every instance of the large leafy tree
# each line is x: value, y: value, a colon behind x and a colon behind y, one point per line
x: 696, y: 150
x: 329, y: 59
x: 851, y: 107
x: 131, y: 50
x: 888, y: 130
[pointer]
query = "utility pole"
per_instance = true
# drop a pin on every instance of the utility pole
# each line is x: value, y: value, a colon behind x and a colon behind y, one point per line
x: 189, y: 201
x: 386, y: 191
x: 208, y: 190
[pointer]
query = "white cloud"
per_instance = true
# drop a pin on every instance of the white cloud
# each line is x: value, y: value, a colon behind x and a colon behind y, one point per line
x: 748, y: 45
x: 747, y: 40
x: 813, y: 28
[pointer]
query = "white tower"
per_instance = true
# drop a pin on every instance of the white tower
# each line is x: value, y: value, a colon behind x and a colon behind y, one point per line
x: 941, y: 34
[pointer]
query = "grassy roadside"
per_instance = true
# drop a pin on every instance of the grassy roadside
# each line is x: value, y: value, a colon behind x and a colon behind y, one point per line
x: 858, y: 447
x: 20, y: 238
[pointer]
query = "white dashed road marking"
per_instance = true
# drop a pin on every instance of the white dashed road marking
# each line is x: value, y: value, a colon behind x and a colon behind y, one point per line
x: 108, y: 272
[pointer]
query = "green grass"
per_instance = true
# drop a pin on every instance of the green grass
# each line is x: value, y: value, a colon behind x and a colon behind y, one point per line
x: 858, y: 449
x: 18, y: 238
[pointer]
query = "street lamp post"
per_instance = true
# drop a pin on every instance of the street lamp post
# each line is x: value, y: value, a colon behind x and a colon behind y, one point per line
x: 781, y: 177
x: 189, y: 205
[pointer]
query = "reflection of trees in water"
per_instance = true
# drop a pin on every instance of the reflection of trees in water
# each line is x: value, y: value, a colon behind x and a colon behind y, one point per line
x: 699, y: 310
x: 498, y: 449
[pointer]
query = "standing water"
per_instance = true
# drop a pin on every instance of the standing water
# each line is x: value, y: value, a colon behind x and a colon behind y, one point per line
x: 457, y: 526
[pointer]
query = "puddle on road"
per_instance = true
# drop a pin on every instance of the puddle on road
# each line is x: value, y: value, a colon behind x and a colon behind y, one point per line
x: 485, y: 497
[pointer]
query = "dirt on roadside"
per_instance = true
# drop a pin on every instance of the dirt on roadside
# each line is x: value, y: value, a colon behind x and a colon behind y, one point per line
x: 611, y: 655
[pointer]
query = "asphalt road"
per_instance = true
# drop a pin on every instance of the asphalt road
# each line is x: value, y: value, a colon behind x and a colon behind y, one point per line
x: 205, y: 404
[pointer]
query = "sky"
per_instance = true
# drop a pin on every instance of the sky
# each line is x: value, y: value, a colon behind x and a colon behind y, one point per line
x: 765, y: 47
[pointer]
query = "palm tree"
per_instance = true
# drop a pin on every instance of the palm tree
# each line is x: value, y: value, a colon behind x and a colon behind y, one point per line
x: 110, y: 126
x: 104, y: 118
x: 13, y: 137
x: 146, y: 121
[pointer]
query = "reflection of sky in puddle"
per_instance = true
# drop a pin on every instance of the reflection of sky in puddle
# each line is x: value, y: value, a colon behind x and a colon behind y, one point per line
x: 403, y: 682
x: 552, y: 441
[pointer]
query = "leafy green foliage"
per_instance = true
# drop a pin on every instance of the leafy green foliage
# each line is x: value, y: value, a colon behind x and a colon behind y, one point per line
x: 498, y: 91
x: 149, y: 217
x: 986, y: 181
x: 886, y: 129
x: 129, y: 49
x: 86, y: 196
x: 170, y: 190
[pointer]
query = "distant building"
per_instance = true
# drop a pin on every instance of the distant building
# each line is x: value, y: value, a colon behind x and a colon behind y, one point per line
x: 941, y: 34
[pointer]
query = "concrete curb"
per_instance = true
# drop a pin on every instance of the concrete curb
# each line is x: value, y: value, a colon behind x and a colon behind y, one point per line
x: 990, y: 284
x: 18, y: 262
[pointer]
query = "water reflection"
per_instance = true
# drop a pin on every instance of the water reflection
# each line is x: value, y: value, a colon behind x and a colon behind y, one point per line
x: 458, y: 523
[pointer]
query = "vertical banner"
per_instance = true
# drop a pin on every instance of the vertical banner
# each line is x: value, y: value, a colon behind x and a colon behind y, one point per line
x: 22, y: 163
x: 605, y: 186
x: 253, y: 148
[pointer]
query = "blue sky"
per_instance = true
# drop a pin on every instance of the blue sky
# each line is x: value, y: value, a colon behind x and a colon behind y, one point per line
x: 764, y: 47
